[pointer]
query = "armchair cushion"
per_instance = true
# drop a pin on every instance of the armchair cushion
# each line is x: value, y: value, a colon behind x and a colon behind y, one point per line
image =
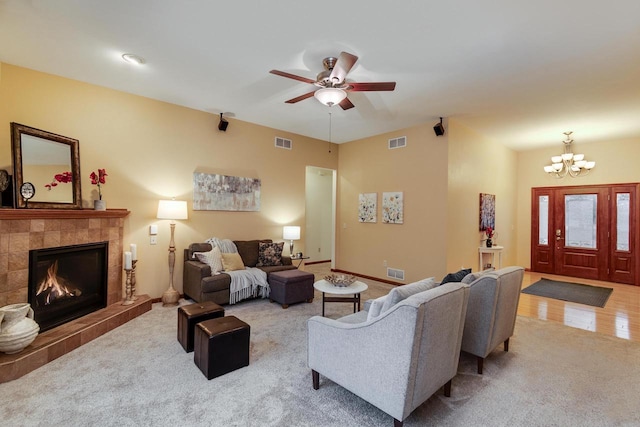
x: 375, y: 308
x: 400, y: 293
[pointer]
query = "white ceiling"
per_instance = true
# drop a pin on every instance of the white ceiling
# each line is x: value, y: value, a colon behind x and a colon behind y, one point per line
x: 520, y: 73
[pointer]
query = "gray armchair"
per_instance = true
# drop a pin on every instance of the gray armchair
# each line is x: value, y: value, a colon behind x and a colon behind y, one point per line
x: 397, y: 360
x: 491, y: 312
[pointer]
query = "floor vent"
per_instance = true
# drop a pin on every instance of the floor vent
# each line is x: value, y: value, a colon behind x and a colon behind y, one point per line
x: 394, y: 273
x: 283, y: 143
x: 399, y: 142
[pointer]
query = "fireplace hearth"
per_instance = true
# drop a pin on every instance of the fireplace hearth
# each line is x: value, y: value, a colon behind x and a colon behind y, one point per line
x: 67, y: 282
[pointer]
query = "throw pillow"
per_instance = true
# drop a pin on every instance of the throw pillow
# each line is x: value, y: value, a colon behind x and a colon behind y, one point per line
x: 455, y: 277
x: 270, y: 254
x: 213, y: 259
x: 376, y: 307
x: 472, y: 277
x: 232, y: 262
x: 399, y: 293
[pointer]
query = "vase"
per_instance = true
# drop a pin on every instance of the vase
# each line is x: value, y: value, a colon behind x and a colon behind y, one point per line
x: 489, y: 243
x: 17, y: 329
x: 100, y: 205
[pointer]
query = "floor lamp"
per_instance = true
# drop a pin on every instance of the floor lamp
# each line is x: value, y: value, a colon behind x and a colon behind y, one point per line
x: 171, y: 209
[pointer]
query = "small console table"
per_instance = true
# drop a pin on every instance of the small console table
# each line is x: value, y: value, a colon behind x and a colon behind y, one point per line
x: 493, y: 250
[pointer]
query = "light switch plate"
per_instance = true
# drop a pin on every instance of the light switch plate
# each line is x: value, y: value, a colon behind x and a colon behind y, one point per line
x: 153, y: 240
x: 153, y: 230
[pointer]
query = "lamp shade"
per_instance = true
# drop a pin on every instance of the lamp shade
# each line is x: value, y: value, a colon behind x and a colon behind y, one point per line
x: 291, y: 232
x: 330, y: 95
x: 172, y: 209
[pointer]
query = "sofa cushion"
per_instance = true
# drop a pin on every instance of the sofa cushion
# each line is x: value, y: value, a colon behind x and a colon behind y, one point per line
x: 213, y: 259
x: 455, y: 277
x: 269, y: 254
x: 232, y: 262
x: 399, y: 293
x: 249, y: 250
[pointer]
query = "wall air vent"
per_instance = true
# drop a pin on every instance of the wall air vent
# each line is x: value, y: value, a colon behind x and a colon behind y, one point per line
x: 283, y: 143
x: 399, y: 142
x: 394, y: 273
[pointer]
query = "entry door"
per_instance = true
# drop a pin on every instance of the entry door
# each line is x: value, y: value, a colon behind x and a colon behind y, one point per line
x: 588, y: 232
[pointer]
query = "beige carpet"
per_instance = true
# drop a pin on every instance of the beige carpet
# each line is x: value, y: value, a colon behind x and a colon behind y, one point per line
x: 138, y: 375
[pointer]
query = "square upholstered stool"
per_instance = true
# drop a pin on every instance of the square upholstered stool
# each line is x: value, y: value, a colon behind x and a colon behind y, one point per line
x: 291, y: 286
x: 221, y: 346
x: 189, y: 315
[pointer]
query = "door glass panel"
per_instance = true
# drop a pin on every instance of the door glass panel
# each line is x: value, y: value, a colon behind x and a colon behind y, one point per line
x: 543, y: 220
x: 580, y: 220
x: 622, y: 227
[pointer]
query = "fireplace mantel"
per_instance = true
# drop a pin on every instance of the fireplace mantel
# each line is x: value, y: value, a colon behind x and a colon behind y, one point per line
x: 61, y: 213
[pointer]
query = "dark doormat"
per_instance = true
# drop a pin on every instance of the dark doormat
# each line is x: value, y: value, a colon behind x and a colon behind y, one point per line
x: 573, y: 292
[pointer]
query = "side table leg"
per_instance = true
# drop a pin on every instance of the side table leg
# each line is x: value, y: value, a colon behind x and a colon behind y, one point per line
x: 323, y: 304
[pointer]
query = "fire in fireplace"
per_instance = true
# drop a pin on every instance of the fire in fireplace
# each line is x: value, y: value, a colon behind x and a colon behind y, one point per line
x: 67, y: 282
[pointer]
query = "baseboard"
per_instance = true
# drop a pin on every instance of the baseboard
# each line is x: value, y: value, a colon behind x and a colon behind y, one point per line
x: 377, y: 279
x: 317, y: 262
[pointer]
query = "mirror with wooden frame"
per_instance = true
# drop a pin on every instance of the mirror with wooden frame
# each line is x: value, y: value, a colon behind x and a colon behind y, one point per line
x: 51, y: 163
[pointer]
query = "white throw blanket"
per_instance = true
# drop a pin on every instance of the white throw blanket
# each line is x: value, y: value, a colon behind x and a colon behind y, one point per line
x: 247, y: 283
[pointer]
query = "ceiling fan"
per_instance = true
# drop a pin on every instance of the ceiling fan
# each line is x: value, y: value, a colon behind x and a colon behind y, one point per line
x: 332, y: 83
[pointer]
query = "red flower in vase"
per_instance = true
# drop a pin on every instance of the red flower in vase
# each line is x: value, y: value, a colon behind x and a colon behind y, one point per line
x: 489, y: 232
x: 98, y: 179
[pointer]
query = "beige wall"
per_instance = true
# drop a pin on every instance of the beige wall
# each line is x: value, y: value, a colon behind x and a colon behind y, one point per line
x: 478, y: 165
x: 419, y: 246
x: 616, y: 162
x: 319, y: 209
x: 150, y: 150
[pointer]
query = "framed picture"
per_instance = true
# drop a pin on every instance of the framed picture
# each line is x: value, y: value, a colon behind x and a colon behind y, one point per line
x: 392, y: 210
x: 212, y: 192
x: 487, y: 211
x: 367, y: 207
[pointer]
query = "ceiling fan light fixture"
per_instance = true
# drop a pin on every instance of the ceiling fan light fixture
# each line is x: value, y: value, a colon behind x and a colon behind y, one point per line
x: 330, y: 95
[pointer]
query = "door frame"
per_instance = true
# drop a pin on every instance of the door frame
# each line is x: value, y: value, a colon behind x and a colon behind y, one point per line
x: 612, y: 265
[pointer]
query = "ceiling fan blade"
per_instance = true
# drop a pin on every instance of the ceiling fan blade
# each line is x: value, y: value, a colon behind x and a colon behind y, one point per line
x: 300, y: 98
x: 346, y: 104
x: 292, y: 76
x: 343, y: 65
x: 365, y: 87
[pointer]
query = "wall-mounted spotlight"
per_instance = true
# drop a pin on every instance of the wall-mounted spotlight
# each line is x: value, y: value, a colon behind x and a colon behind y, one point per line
x: 223, y: 124
x: 439, y: 128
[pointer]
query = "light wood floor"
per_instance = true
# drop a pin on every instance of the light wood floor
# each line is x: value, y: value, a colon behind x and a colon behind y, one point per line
x: 619, y: 318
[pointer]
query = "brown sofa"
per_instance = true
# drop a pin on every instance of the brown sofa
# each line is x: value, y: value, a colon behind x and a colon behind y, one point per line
x: 198, y: 283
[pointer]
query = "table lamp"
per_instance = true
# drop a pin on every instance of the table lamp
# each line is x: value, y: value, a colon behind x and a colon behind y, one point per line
x: 291, y: 233
x: 171, y: 209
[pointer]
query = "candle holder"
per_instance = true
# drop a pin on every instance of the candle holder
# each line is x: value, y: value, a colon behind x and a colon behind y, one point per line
x: 128, y: 298
x: 133, y: 280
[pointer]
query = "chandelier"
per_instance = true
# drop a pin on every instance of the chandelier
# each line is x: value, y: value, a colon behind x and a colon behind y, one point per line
x: 569, y: 163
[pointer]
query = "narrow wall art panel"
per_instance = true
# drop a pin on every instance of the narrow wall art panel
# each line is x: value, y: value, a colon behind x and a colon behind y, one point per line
x: 212, y: 192
x: 487, y: 211
x: 368, y: 207
x: 392, y: 210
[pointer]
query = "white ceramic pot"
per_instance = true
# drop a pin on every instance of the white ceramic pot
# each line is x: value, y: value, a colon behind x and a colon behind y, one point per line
x: 18, y: 329
x: 99, y: 205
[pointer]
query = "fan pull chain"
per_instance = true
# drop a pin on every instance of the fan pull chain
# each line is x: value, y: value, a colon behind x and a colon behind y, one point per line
x: 329, y: 133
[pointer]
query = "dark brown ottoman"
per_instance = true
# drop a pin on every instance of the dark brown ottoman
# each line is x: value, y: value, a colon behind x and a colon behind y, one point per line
x: 189, y: 315
x: 221, y: 346
x: 291, y: 286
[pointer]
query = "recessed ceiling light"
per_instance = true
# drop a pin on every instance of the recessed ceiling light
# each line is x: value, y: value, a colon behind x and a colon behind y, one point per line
x: 133, y: 59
